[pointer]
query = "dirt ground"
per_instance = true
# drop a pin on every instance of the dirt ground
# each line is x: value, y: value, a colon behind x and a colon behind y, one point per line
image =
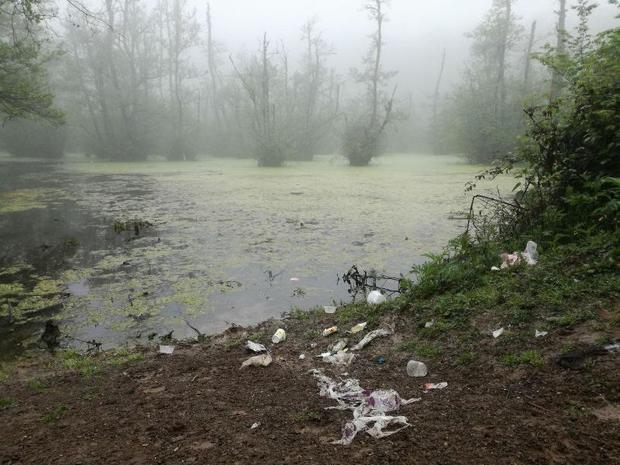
x: 196, y: 407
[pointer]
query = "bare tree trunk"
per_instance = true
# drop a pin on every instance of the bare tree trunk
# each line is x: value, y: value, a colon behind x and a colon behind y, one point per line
x: 528, y: 57
x: 556, y: 79
x: 212, y: 67
x: 500, y: 88
x: 377, y: 9
x: 265, y: 109
x: 436, y: 101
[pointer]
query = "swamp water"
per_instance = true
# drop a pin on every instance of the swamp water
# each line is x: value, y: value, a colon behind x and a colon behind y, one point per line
x: 121, y: 253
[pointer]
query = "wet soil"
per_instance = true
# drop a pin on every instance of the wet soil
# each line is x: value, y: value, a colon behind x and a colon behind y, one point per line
x: 196, y: 406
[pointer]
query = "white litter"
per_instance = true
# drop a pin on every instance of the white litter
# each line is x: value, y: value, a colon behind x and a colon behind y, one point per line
x: 498, y: 332
x: 279, y: 336
x: 166, y: 350
x: 338, y: 346
x: 530, y: 255
x: 294, y: 279
x: 540, y: 333
x: 375, y: 298
x: 329, y: 308
x: 255, y: 347
x: 613, y: 347
x: 358, y: 327
x: 302, y: 356
x: 495, y: 268
x: 431, y: 386
x: 341, y: 358
x: 416, y: 369
x: 262, y: 360
x: 429, y: 324
x: 369, y: 407
x: 255, y: 425
x: 369, y: 337
x: 331, y: 330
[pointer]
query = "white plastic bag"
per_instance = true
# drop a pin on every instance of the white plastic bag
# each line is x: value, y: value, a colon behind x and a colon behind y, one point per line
x: 375, y: 298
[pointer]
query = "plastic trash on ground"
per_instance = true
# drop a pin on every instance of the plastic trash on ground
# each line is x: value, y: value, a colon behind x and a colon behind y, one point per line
x: 262, y: 360
x: 375, y: 298
x: 529, y: 255
x: 255, y: 425
x: 369, y: 337
x: 338, y: 346
x: 495, y: 268
x: 369, y: 407
x: 416, y: 369
x: 255, y: 347
x: 431, y: 386
x: 612, y: 347
x: 302, y: 356
x: 168, y: 350
x: 279, y: 336
x: 540, y: 333
x: 328, y: 331
x: 498, y: 332
x: 429, y: 324
x: 358, y: 327
x: 329, y: 309
x: 341, y: 358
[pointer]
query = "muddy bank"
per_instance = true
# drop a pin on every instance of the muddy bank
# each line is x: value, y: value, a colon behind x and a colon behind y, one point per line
x: 196, y: 406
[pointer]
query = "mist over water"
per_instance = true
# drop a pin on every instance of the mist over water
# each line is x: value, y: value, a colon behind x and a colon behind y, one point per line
x: 171, y: 164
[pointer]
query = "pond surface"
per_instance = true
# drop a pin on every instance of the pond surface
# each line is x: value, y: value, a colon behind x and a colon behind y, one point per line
x: 123, y: 252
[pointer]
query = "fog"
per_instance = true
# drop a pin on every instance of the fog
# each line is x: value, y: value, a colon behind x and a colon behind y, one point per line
x: 416, y: 32
x: 171, y: 164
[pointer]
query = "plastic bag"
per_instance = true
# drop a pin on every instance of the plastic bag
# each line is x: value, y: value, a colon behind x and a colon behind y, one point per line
x: 262, y: 360
x: 375, y: 298
x: 369, y: 407
x: 369, y: 337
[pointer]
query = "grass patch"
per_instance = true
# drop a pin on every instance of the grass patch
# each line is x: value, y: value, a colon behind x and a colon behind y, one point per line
x: 54, y: 415
x: 123, y: 356
x: 465, y: 358
x: 35, y: 384
x: 297, y: 313
x: 6, y: 403
x: 85, y: 365
x: 307, y: 416
x: 419, y: 348
x: 529, y: 357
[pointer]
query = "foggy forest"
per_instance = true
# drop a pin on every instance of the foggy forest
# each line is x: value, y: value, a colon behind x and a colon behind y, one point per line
x: 309, y: 231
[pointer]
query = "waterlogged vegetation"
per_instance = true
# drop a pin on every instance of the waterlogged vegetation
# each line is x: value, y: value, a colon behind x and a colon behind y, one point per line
x: 161, y: 245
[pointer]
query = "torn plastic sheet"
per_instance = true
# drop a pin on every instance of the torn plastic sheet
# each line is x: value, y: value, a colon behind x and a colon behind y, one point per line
x: 369, y: 407
x: 262, y: 360
x: 529, y: 255
x: 369, y: 337
x: 255, y: 347
x: 340, y: 358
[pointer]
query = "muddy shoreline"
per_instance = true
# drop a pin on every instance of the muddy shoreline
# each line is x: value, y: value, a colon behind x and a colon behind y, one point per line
x: 197, y: 406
